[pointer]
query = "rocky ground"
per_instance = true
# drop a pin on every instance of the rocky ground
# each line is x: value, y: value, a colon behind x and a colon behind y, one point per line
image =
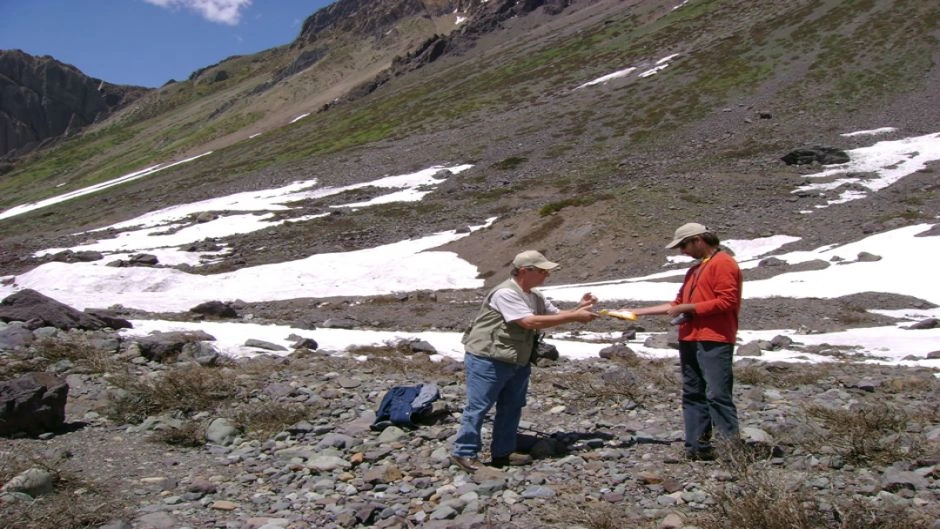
x: 285, y: 442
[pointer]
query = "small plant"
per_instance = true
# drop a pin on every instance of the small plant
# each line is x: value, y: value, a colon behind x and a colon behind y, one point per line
x: 542, y: 231
x: 555, y: 207
x: 509, y: 163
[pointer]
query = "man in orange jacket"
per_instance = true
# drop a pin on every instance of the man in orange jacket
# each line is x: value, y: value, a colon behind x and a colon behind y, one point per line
x: 706, y: 310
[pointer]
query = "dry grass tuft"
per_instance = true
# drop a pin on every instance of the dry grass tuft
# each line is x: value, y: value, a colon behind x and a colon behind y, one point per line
x: 763, y: 499
x: 859, y: 514
x: 190, y: 434
x: 84, y: 355
x: 760, y: 500
x: 390, y: 349
x: 187, y: 389
x: 262, y: 419
x: 627, y: 379
x: 398, y: 358
x: 572, y: 509
x: 14, y: 365
x: 73, y: 504
x: 418, y: 366
x: 780, y: 376
x: 873, y: 434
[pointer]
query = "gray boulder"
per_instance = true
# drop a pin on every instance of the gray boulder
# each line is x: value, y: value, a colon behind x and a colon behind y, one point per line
x: 32, y: 482
x: 15, y: 336
x: 166, y: 346
x: 617, y: 351
x: 221, y: 431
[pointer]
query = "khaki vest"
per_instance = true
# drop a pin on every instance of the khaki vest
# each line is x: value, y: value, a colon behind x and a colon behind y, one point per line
x: 493, y: 337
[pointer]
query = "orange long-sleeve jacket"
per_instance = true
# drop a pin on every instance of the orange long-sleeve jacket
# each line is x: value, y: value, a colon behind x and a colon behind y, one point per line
x: 714, y: 287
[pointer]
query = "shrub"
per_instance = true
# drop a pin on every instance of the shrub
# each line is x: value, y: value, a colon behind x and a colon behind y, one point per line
x: 762, y: 499
x: 63, y: 508
x: 558, y: 205
x: 190, y: 434
x: 867, y: 434
x: 510, y: 163
x: 630, y: 379
x: 77, y: 349
x: 187, y: 389
x: 265, y: 418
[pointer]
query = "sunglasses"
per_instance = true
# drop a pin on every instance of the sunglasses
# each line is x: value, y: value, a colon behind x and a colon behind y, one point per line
x: 686, y: 242
x: 537, y: 269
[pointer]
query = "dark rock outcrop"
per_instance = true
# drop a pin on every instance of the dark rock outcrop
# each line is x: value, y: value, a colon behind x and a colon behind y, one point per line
x: 32, y: 404
x: 215, y: 309
x: 369, y: 18
x: 484, y: 17
x: 110, y: 318
x: 821, y: 155
x: 38, y: 310
x: 43, y: 98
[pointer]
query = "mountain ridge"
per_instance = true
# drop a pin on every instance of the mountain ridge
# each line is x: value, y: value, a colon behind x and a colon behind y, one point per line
x: 45, y: 99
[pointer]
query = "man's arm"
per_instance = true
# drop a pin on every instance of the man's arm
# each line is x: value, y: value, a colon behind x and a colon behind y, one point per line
x: 582, y: 314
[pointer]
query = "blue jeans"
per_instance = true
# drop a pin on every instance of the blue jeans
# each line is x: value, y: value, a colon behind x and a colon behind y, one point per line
x: 491, y: 382
x: 707, y: 384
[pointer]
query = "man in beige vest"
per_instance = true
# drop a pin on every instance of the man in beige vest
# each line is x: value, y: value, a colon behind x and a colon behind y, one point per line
x: 498, y: 347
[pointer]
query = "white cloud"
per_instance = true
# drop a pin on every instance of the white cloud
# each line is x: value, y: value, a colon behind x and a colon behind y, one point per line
x: 221, y: 11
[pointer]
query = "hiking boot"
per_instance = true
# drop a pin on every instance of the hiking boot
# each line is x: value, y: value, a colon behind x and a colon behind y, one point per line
x: 514, y: 459
x: 468, y: 464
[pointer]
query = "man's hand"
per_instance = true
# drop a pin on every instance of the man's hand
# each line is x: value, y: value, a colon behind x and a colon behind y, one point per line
x: 587, y: 299
x: 584, y: 314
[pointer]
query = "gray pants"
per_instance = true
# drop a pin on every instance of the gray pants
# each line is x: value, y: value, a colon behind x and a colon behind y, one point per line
x: 707, y: 383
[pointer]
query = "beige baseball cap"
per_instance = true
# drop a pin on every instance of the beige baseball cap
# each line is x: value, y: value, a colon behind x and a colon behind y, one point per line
x: 532, y: 258
x: 685, y: 231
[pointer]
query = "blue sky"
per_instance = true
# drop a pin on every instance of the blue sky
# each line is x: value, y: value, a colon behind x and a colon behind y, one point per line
x: 148, y: 42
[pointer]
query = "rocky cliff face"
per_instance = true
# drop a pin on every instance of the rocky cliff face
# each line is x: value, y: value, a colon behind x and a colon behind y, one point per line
x: 42, y: 98
x: 367, y: 17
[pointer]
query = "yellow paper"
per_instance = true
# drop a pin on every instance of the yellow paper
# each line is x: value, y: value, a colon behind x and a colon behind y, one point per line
x: 620, y: 315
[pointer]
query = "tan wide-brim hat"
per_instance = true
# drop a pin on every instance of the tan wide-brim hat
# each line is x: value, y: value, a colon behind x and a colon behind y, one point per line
x: 685, y: 231
x: 532, y: 258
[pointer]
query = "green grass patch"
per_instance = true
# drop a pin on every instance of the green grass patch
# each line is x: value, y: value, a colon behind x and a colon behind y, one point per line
x: 510, y: 163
